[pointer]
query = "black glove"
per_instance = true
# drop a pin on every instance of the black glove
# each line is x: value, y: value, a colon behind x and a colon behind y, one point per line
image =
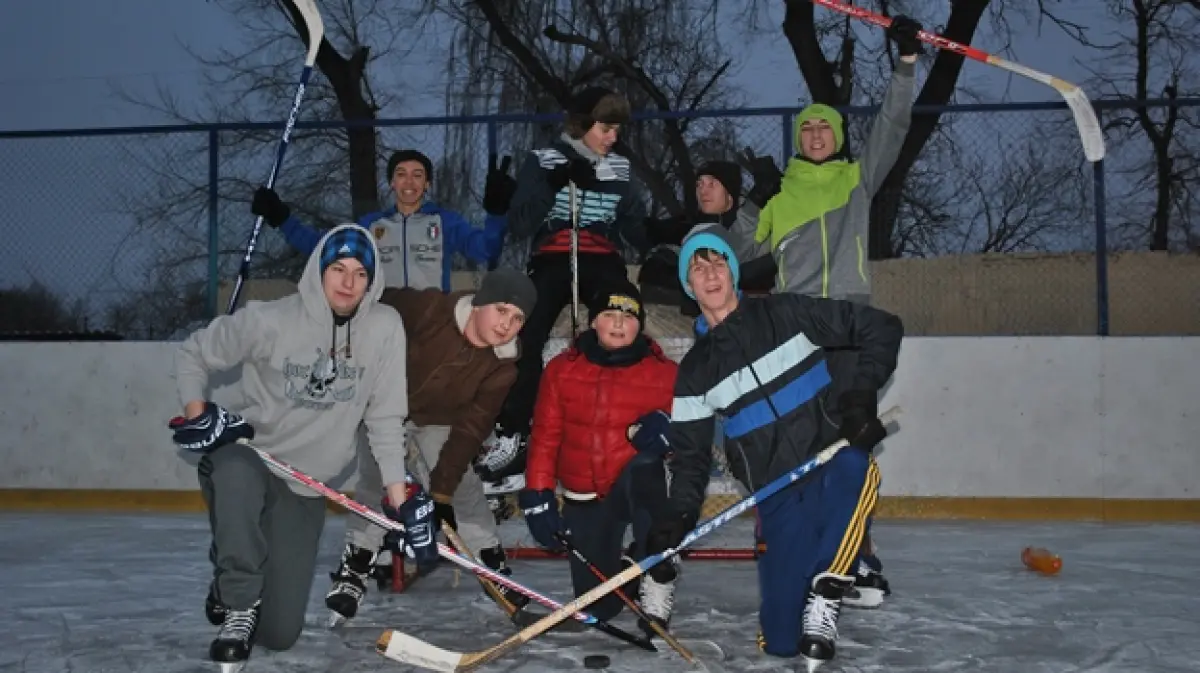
x: 767, y: 177
x: 213, y: 428
x: 903, y: 32
x: 665, y: 534
x: 443, y: 515
x: 416, y: 514
x: 860, y: 419
x: 267, y: 205
x: 649, y: 434
x: 541, y: 515
x: 500, y: 186
x: 580, y: 171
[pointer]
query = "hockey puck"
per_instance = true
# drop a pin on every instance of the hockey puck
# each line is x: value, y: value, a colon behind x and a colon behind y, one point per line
x: 596, y: 661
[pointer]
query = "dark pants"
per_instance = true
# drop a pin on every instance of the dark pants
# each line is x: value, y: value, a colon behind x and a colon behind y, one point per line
x: 813, y: 527
x: 551, y: 275
x: 597, y: 527
x: 265, y: 540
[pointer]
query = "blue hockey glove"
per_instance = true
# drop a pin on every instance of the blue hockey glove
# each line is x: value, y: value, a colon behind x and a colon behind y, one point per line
x: 416, y: 515
x: 213, y: 428
x: 541, y: 515
x: 649, y: 434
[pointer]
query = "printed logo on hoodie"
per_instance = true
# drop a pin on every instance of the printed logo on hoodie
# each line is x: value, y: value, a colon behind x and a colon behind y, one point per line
x: 323, y: 383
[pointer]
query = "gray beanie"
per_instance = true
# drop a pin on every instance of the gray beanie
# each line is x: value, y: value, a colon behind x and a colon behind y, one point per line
x: 506, y: 286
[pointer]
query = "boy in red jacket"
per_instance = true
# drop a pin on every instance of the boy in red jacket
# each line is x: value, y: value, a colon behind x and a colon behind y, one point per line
x: 599, y: 429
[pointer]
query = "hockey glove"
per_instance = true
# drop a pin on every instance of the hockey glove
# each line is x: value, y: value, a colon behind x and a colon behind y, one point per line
x: 578, y: 170
x: 267, y: 205
x: 542, y: 517
x: 860, y: 419
x: 666, y: 534
x: 416, y: 515
x: 767, y: 177
x: 903, y: 32
x: 213, y: 428
x: 649, y: 434
x: 500, y: 186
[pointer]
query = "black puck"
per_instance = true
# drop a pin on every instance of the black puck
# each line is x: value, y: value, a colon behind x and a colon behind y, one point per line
x: 596, y: 661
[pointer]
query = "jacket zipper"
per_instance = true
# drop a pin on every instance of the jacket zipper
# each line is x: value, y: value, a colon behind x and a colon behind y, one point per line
x: 824, y: 259
x: 404, y: 244
x: 858, y: 242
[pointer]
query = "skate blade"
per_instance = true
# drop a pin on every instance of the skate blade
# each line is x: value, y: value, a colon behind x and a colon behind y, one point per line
x: 335, y: 620
x: 231, y: 667
x: 867, y: 599
x: 811, y: 665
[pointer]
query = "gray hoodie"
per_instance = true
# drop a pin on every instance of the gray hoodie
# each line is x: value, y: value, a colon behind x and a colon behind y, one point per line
x: 305, y: 406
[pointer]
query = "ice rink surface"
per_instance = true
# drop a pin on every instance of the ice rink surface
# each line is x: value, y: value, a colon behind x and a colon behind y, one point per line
x: 96, y: 593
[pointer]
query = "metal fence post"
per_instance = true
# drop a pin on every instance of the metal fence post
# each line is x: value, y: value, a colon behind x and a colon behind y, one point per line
x: 492, y: 142
x: 786, y: 120
x: 214, y: 238
x: 1101, y: 243
x: 493, y: 149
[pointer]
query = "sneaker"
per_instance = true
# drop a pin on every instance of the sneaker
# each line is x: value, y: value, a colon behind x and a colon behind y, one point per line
x: 350, y: 581
x: 495, y: 559
x: 657, y: 596
x: 819, y: 637
x: 236, y: 638
x: 503, y: 457
x: 870, y: 587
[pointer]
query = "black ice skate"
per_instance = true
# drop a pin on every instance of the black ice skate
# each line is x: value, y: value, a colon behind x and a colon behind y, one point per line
x: 495, y: 559
x: 817, y: 644
x: 349, y: 583
x: 657, y: 595
x: 381, y: 570
x: 505, y: 457
x: 870, y: 587
x: 233, y: 643
x: 214, y: 610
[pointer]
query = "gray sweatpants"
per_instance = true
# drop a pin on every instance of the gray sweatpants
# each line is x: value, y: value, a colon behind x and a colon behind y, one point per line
x: 476, y: 525
x: 264, y: 543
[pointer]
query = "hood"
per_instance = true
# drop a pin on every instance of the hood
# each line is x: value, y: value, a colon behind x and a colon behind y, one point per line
x: 462, y: 311
x: 313, y: 294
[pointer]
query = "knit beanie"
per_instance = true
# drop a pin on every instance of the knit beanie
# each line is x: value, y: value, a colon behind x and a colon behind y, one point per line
x: 350, y: 241
x: 408, y: 155
x: 619, y: 294
x: 826, y: 113
x: 707, y: 236
x: 506, y: 286
x: 727, y: 173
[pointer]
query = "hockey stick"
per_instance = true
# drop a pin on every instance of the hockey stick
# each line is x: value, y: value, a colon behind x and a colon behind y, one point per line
x: 574, y: 261
x: 289, y: 472
x: 407, y: 649
x: 1085, y: 117
x: 637, y: 610
x: 316, y: 33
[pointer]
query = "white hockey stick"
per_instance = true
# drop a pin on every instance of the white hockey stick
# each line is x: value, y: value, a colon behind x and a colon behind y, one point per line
x: 574, y: 261
x: 410, y: 650
x: 1090, y: 132
x: 316, y: 33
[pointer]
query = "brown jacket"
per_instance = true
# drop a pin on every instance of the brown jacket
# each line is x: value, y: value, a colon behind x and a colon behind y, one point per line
x: 451, y: 381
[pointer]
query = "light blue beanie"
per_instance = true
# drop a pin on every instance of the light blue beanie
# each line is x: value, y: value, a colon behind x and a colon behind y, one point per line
x: 706, y: 237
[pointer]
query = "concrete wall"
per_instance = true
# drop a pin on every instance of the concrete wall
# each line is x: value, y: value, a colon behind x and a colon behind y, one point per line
x: 984, y: 417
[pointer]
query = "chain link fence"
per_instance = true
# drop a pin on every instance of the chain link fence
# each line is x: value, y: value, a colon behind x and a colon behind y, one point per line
x: 994, y: 231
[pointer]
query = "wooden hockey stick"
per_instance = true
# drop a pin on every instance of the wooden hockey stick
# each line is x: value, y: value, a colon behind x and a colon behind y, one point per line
x: 316, y: 33
x: 1088, y: 126
x: 410, y: 650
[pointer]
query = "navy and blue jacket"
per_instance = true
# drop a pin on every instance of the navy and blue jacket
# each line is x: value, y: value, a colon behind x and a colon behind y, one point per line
x: 416, y: 250
x: 786, y: 339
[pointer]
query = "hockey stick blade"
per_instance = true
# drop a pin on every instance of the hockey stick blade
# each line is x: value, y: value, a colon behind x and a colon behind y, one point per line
x: 407, y: 649
x: 1090, y: 133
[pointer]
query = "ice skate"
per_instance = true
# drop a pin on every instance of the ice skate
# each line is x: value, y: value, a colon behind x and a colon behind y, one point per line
x: 817, y: 644
x: 349, y: 584
x: 213, y: 609
x: 504, y: 457
x: 381, y: 570
x: 507, y: 485
x: 233, y: 643
x: 657, y: 598
x: 870, y: 588
x: 495, y: 559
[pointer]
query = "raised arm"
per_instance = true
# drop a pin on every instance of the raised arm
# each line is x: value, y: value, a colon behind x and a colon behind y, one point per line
x: 889, y: 128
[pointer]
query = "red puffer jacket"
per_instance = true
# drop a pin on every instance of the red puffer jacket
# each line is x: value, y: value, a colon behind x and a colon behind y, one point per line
x: 582, y: 414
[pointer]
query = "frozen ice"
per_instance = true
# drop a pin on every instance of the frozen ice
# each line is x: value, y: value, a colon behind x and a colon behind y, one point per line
x: 102, y: 592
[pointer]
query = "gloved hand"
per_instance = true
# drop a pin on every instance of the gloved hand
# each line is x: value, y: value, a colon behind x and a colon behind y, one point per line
x: 500, y: 186
x: 903, y: 32
x: 542, y: 517
x: 860, y: 419
x: 416, y: 515
x: 767, y: 177
x: 667, y: 533
x: 649, y: 434
x: 578, y: 170
x: 213, y: 428
x: 267, y: 205
x: 443, y: 515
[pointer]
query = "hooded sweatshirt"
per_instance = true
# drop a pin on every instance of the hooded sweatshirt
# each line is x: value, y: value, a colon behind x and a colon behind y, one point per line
x: 305, y: 404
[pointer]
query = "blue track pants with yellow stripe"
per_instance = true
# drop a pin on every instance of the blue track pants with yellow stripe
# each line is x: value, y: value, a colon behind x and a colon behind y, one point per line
x: 812, y: 527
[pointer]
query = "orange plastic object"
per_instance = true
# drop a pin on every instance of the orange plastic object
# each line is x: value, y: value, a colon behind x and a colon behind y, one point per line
x: 1041, y: 560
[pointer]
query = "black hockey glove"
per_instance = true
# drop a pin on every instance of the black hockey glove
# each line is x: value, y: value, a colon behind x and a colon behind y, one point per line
x: 267, y: 205
x: 649, y: 434
x: 664, y: 534
x: 443, y: 515
x: 903, y: 32
x: 541, y: 515
x: 767, y: 177
x: 860, y: 419
x: 416, y: 515
x: 213, y: 428
x: 578, y: 170
x: 500, y: 186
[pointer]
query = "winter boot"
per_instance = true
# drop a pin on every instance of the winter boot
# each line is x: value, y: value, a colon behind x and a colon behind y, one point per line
x: 233, y: 643
x: 870, y: 586
x: 349, y: 582
x: 657, y: 595
x: 817, y: 642
x: 495, y: 559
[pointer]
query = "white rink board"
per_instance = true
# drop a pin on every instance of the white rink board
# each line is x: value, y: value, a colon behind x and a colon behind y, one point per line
x: 1080, y: 417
